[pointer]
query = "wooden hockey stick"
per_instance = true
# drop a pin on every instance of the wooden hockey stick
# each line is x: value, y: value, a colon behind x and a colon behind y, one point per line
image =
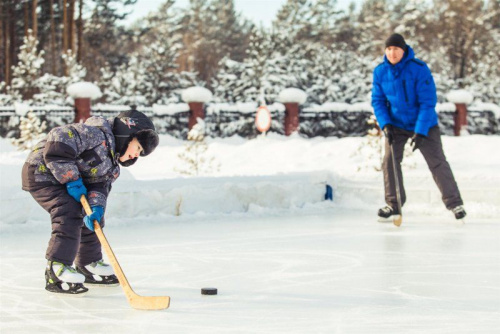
x: 398, y: 219
x: 136, y: 301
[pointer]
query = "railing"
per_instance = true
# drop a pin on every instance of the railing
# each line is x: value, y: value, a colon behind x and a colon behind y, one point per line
x: 225, y: 120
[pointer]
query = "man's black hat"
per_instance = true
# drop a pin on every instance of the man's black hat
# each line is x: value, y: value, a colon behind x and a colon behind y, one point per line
x: 396, y: 40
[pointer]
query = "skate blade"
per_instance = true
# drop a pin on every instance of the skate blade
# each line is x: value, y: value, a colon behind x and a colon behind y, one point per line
x: 66, y: 295
x: 384, y: 220
x: 96, y: 285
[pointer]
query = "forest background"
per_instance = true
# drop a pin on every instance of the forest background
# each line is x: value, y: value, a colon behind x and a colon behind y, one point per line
x: 326, y: 51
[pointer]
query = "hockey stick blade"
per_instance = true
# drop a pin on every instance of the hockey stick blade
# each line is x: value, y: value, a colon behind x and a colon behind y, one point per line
x: 397, y: 220
x: 136, y: 301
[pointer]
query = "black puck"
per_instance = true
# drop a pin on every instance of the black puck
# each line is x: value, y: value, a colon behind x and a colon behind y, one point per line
x: 208, y: 291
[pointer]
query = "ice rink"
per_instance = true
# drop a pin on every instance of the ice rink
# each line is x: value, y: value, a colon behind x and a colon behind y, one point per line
x: 337, y: 272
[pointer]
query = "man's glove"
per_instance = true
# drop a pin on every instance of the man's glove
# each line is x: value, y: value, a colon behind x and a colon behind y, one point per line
x: 97, y: 213
x: 76, y: 189
x: 416, y: 141
x: 389, y: 133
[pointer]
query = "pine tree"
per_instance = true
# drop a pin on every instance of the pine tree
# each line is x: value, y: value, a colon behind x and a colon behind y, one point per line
x: 28, y: 69
x: 32, y: 129
x: 194, y: 157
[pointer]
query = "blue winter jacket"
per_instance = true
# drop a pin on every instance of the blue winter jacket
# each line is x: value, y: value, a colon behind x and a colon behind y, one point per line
x: 404, y: 94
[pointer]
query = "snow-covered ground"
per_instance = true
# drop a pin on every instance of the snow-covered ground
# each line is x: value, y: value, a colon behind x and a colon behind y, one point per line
x: 283, y: 259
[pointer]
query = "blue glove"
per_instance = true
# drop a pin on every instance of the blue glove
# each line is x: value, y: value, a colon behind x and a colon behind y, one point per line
x: 76, y: 189
x: 97, y: 213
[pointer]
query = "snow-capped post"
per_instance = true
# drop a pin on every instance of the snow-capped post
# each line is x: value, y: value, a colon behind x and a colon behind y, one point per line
x: 461, y: 98
x: 291, y: 98
x: 82, y: 93
x: 196, y: 97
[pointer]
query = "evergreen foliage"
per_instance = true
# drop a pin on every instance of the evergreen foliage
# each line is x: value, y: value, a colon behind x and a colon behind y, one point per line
x: 32, y: 130
x: 195, y: 159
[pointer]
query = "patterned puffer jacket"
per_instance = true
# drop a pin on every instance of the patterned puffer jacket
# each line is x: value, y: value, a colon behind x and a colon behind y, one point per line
x: 85, y: 150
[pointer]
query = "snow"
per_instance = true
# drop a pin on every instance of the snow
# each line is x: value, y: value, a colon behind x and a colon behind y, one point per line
x: 460, y: 96
x: 170, y: 109
x: 196, y: 94
x: 84, y: 90
x: 292, y: 95
x: 282, y: 258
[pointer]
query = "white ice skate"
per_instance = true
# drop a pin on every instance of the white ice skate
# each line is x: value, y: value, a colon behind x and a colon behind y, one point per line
x: 99, y: 274
x: 64, y: 279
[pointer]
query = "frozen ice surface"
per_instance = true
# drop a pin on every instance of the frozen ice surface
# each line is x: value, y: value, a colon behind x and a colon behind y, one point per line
x: 336, y: 272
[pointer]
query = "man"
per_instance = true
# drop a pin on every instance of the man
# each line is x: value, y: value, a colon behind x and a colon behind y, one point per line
x: 404, y: 100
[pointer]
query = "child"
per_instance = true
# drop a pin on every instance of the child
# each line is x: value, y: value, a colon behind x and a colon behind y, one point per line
x: 82, y: 159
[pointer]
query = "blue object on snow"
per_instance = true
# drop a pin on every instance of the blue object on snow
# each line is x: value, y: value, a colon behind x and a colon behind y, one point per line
x: 329, y: 193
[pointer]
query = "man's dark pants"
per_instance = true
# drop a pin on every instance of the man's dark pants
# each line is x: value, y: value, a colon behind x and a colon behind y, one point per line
x: 432, y: 150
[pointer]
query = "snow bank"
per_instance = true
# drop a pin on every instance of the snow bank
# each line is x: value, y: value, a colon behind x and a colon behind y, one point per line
x: 134, y: 198
x: 292, y: 95
x: 84, y: 90
x: 196, y: 94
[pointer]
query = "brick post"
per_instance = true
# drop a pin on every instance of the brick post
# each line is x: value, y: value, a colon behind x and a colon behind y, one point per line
x: 82, y: 109
x: 196, y: 110
x: 292, y: 98
x: 460, y: 98
x: 83, y: 93
x: 460, y: 118
x: 291, y: 117
x: 196, y: 97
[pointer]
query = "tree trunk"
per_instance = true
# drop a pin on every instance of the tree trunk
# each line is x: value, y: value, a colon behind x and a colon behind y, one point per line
x: 65, y: 26
x: 35, y: 18
x: 80, y: 33
x: 52, y: 37
x: 26, y: 18
x: 71, y: 24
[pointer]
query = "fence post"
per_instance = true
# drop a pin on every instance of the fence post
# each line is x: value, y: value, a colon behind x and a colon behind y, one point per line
x: 196, y: 97
x: 83, y: 93
x: 291, y: 98
x: 460, y: 98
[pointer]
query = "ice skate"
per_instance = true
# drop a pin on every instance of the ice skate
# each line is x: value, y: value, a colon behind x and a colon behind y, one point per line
x: 99, y: 274
x: 64, y: 280
x: 459, y: 212
x: 387, y: 214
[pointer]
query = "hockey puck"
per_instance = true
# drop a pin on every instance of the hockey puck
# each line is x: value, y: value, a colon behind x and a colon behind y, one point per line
x: 208, y: 291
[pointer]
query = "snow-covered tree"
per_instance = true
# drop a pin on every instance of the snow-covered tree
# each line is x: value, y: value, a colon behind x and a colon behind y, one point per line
x: 195, y: 159
x: 32, y: 130
x: 28, y: 69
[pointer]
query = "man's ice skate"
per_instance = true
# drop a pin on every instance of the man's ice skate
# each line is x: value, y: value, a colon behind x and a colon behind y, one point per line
x: 64, y: 280
x: 459, y: 212
x: 99, y: 274
x: 387, y: 214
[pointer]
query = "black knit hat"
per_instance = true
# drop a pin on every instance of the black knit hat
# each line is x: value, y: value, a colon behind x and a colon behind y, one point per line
x: 134, y: 124
x: 396, y: 40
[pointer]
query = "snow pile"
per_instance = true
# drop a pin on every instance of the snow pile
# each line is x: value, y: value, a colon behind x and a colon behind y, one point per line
x: 341, y: 107
x: 242, y: 107
x: 170, y: 109
x: 292, y: 95
x: 271, y: 174
x: 84, y: 90
x: 460, y: 96
x: 196, y: 94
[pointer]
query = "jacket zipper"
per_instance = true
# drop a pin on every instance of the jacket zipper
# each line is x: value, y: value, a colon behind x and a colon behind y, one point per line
x: 404, y: 89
